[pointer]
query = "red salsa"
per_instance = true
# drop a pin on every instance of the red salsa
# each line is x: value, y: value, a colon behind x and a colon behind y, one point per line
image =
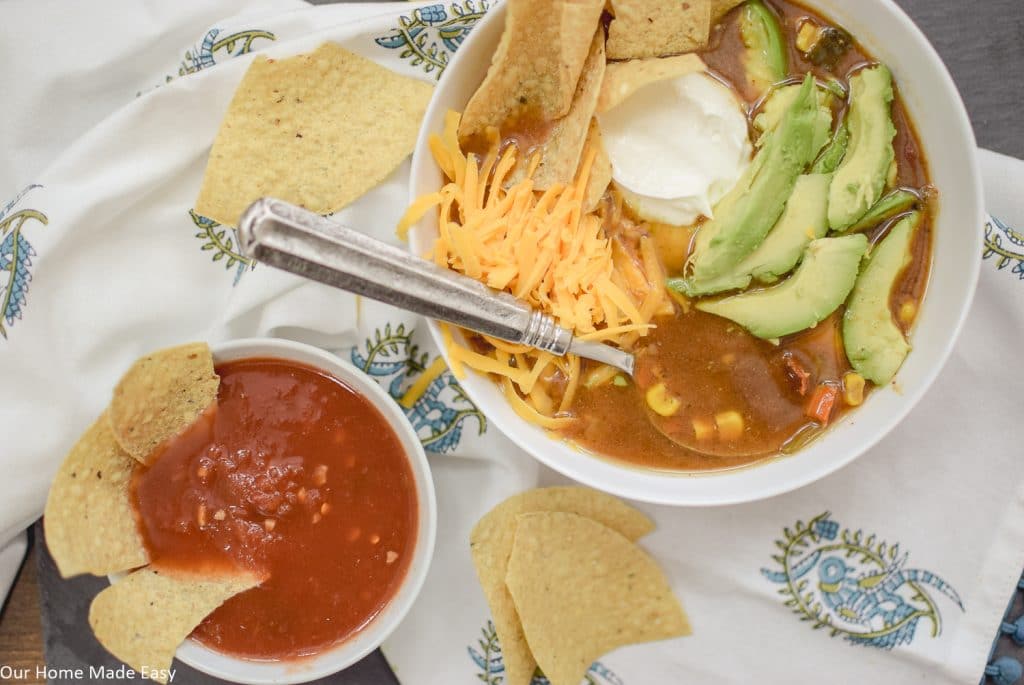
x: 299, y: 478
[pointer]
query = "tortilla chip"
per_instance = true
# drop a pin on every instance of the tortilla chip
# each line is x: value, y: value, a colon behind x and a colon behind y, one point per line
x: 622, y: 79
x: 317, y: 130
x: 600, y: 169
x: 582, y: 590
x: 720, y: 8
x: 560, y: 153
x: 89, y: 522
x: 653, y: 28
x: 536, y: 67
x: 143, y: 618
x: 161, y: 395
x: 491, y: 544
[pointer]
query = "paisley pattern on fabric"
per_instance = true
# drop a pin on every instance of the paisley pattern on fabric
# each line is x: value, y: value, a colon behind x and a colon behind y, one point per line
x: 430, y: 36
x: 16, y: 253
x: 214, y: 48
x: 1005, y: 245
x: 487, y: 657
x: 432, y: 399
x: 855, y: 585
x: 204, y: 55
x: 221, y: 242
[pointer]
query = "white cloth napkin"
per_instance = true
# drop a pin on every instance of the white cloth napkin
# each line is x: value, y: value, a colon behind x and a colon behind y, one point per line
x: 109, y: 263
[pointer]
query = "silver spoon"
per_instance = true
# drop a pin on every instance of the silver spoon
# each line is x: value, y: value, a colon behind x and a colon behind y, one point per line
x: 287, y: 237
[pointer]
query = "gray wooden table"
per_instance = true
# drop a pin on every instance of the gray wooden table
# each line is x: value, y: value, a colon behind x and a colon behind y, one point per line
x: 982, y: 43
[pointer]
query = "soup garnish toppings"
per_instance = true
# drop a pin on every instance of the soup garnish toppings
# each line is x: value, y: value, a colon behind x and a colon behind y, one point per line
x: 766, y: 274
x: 294, y: 476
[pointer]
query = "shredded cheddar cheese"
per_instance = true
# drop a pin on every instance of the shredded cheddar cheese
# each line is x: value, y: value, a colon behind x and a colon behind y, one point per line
x: 544, y: 248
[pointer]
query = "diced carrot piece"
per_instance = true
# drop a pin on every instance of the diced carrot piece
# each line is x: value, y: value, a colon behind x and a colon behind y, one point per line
x: 822, y: 402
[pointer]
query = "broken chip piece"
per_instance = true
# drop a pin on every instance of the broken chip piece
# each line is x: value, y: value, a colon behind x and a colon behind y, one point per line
x: 622, y: 79
x: 560, y: 151
x: 653, y: 28
x: 536, y: 67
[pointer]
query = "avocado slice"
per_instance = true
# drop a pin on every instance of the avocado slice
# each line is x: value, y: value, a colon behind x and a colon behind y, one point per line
x: 896, y: 202
x: 834, y: 152
x: 781, y: 99
x: 765, y: 58
x: 746, y: 214
x: 803, y: 220
x: 817, y: 288
x: 861, y: 177
x: 874, y: 343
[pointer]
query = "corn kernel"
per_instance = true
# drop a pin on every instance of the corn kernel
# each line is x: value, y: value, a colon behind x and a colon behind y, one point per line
x: 853, y: 388
x: 703, y: 429
x: 908, y: 310
x: 730, y: 425
x: 661, y: 401
x: 806, y: 36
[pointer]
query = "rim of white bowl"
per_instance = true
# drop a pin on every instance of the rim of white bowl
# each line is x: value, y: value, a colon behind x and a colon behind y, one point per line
x: 775, y: 476
x: 370, y: 637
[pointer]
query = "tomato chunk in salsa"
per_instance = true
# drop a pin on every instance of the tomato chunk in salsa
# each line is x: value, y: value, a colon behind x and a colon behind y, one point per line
x: 298, y: 477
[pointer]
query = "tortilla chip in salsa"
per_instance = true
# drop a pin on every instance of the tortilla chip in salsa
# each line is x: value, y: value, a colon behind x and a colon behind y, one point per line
x: 161, y: 395
x: 89, y: 524
x: 142, y: 618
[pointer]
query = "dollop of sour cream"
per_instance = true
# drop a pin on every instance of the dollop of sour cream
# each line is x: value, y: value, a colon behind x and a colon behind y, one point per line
x: 676, y: 147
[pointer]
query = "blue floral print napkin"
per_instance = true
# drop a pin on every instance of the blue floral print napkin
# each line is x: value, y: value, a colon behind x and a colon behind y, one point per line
x: 896, y: 569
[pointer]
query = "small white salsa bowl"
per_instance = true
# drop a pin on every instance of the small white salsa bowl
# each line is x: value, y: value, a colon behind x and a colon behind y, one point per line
x: 348, y: 652
x: 947, y: 139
